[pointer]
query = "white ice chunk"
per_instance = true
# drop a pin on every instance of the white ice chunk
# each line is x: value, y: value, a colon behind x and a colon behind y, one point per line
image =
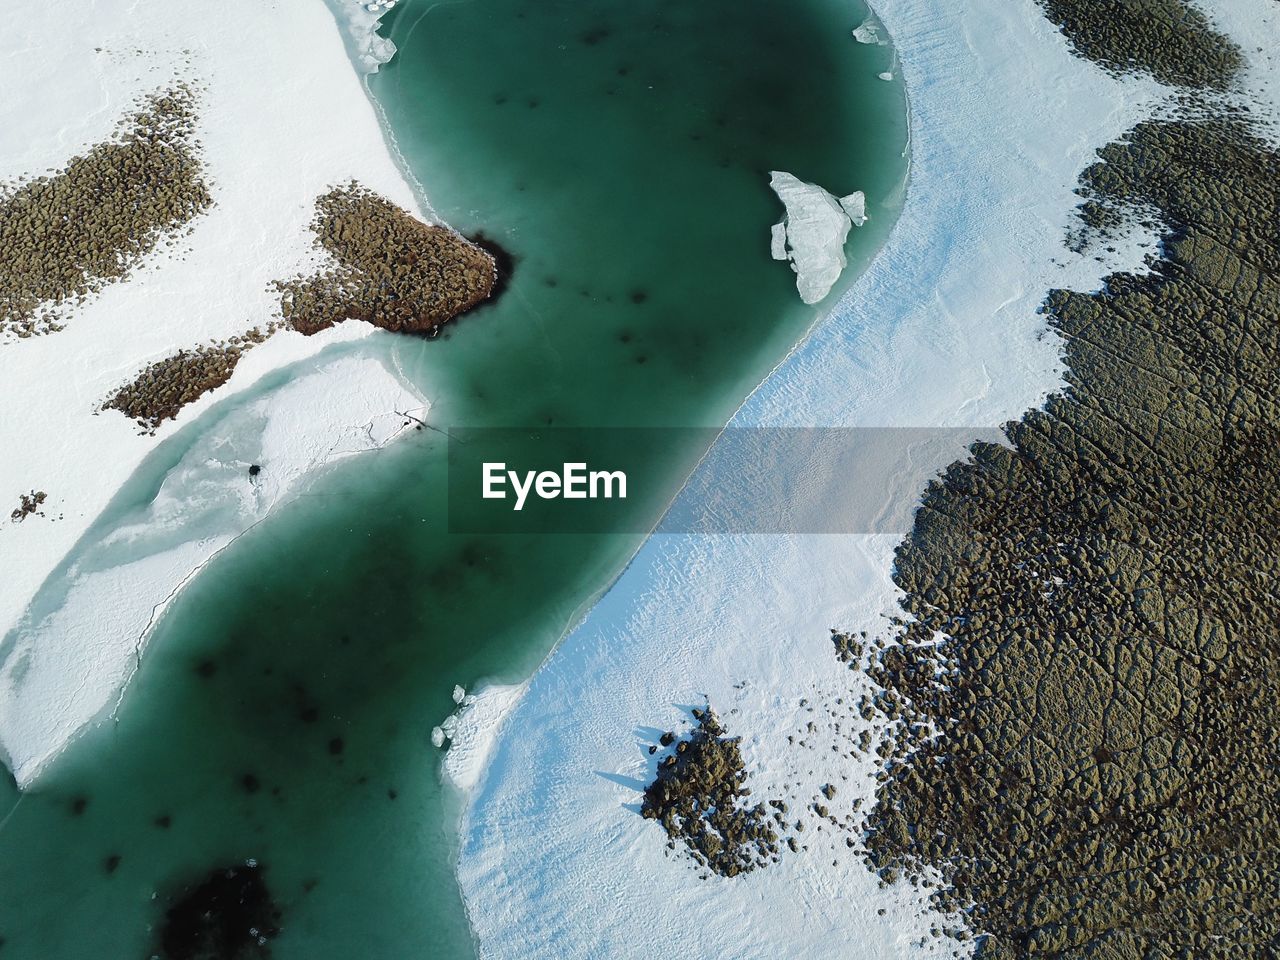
x: 816, y: 225
x: 360, y: 22
x: 458, y: 693
x: 437, y: 736
x: 869, y: 32
x: 855, y: 205
x: 778, y: 241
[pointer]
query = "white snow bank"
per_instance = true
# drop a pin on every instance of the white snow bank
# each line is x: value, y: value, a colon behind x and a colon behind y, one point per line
x: 815, y: 227
x: 472, y: 729
x: 282, y: 117
x: 83, y: 635
x: 360, y: 20
x: 942, y: 329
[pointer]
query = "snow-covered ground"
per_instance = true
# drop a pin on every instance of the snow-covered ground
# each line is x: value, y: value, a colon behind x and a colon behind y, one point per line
x: 942, y: 330
x: 282, y: 117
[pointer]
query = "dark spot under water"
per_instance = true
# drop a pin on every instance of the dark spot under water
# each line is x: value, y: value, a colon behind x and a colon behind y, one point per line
x: 503, y: 259
x: 336, y: 746
x: 78, y: 805
x: 111, y: 863
x: 164, y: 821
x: 229, y: 916
x: 595, y: 35
x: 639, y: 296
x: 309, y: 715
x: 250, y: 783
x: 206, y: 669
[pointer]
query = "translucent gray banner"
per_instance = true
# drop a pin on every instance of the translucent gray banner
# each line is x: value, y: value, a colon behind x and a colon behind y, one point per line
x: 762, y: 480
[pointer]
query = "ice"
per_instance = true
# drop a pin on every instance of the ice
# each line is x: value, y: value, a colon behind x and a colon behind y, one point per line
x: 472, y: 729
x: 78, y: 645
x: 855, y: 205
x: 815, y: 227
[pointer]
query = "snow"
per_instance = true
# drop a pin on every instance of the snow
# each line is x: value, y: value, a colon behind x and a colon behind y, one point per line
x: 942, y: 329
x: 360, y: 23
x: 1255, y: 26
x: 815, y: 225
x: 80, y: 641
x: 282, y: 118
x: 472, y: 729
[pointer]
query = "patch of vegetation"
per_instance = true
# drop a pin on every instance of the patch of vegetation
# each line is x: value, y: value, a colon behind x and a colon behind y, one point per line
x: 391, y: 270
x: 699, y: 798
x: 1170, y: 39
x: 161, y: 390
x: 66, y: 235
x: 1089, y: 756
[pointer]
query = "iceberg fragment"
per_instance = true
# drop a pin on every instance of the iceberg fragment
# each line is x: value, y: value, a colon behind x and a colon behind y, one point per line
x: 813, y: 231
x: 869, y: 32
x: 778, y: 241
x: 855, y: 205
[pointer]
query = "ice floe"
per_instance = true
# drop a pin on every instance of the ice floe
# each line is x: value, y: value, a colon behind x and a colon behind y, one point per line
x: 812, y: 232
x: 870, y: 31
x: 360, y: 22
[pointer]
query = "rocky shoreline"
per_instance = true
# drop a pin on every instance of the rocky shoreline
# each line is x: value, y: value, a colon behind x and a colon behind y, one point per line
x: 1082, y: 697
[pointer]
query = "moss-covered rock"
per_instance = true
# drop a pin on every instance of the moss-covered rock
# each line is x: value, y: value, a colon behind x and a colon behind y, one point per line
x: 1089, y: 757
x: 164, y: 387
x: 65, y: 235
x: 390, y: 270
x: 699, y: 798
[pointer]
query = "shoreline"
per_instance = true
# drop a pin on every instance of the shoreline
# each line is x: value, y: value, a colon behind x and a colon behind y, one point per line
x: 691, y: 617
x: 257, y: 231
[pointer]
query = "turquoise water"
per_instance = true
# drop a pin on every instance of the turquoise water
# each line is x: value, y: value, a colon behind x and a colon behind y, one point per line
x: 283, y: 710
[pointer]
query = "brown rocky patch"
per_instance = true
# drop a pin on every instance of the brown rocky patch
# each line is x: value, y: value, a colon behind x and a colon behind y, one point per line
x: 699, y: 798
x: 66, y: 235
x: 390, y: 269
x: 163, y: 388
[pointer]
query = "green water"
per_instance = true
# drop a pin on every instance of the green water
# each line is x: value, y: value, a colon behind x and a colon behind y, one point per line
x: 620, y: 151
